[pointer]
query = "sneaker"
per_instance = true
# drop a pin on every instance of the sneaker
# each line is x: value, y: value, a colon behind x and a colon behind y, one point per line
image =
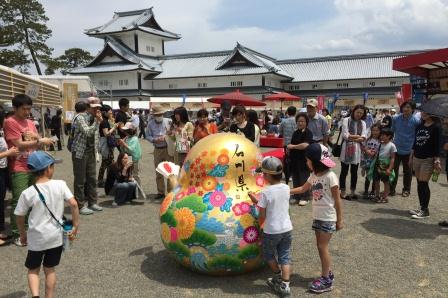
x: 19, y: 243
x: 303, y: 202
x: 292, y: 201
x: 321, y: 285
x: 414, y: 211
x: 444, y: 224
x: 331, y: 276
x: 114, y: 204
x: 371, y: 195
x: 272, y: 281
x: 85, y: 211
x: 95, y: 207
x: 282, y: 289
x: 421, y: 214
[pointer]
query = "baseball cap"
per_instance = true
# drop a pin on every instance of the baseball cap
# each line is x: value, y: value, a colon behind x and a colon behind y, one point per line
x: 128, y: 126
x: 271, y: 165
x: 40, y: 160
x: 318, y: 152
x: 94, y: 102
x: 311, y: 102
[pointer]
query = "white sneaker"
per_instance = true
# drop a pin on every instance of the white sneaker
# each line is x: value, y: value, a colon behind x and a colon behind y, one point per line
x: 114, y: 204
x: 85, y: 211
x: 303, y: 202
x: 18, y: 243
x: 95, y: 207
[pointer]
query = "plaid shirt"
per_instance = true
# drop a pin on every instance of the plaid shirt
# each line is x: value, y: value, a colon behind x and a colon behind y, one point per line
x: 82, y: 132
x: 287, y: 128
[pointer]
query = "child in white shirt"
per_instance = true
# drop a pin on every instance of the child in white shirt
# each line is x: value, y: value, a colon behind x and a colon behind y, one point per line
x: 327, y: 209
x: 277, y: 237
x: 44, y: 236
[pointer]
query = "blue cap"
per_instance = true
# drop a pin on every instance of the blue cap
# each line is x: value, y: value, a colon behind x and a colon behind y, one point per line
x: 40, y: 160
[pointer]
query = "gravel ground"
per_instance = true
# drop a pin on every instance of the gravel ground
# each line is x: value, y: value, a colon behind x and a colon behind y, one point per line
x: 380, y: 253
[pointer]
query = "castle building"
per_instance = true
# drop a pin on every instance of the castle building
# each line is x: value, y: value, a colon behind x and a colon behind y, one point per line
x: 134, y: 64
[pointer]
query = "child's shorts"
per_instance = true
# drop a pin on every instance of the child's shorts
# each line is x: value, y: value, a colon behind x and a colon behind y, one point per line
x: 381, y: 177
x: 324, y: 226
x: 51, y: 258
x: 277, y: 244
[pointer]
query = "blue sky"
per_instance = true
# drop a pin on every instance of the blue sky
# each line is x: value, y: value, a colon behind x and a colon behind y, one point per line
x: 282, y: 29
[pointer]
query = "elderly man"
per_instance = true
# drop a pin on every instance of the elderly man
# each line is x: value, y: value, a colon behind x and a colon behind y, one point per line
x: 318, y: 124
x: 85, y: 144
x: 156, y: 132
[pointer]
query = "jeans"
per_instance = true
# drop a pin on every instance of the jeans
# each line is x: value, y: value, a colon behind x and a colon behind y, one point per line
x: 84, y: 184
x: 277, y: 245
x: 353, y: 175
x: 19, y: 182
x: 3, y: 186
x: 299, y: 177
x: 407, y: 173
x: 124, y: 192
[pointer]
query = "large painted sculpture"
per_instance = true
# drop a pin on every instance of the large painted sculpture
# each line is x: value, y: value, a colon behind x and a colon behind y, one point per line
x: 208, y: 222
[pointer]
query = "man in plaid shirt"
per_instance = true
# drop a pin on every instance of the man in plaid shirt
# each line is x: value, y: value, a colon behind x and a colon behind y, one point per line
x: 84, y: 147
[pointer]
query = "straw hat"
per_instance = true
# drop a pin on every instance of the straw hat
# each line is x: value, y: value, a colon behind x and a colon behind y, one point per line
x: 157, y: 110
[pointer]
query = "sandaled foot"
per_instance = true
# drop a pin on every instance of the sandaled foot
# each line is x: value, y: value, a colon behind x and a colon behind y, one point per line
x: 382, y: 200
x: 405, y: 193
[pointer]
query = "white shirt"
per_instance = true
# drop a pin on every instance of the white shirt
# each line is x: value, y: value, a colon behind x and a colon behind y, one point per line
x: 355, y: 147
x: 257, y: 136
x: 3, y: 148
x: 43, y: 231
x: 135, y: 120
x: 323, y: 202
x: 275, y: 198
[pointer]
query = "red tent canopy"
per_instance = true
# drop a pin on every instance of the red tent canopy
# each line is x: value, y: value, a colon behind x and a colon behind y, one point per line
x: 420, y: 64
x: 282, y: 96
x: 235, y: 98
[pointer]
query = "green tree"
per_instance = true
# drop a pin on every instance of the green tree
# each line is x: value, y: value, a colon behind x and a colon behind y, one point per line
x: 72, y: 58
x: 23, y: 30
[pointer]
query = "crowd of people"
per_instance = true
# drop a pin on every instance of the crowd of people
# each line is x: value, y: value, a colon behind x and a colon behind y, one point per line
x: 375, y: 145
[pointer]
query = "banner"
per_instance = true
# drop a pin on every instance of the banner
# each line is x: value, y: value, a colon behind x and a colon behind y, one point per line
x: 399, y: 98
x: 320, y: 103
x: 406, y: 92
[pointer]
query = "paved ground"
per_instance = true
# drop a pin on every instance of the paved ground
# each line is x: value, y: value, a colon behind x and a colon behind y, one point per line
x: 380, y: 253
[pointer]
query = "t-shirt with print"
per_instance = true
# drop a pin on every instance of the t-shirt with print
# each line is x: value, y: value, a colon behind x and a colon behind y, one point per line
x: 323, y: 202
x: 386, y: 150
x: 275, y: 198
x: 426, y: 144
x: 14, y: 129
x: 43, y: 231
x: 370, y: 144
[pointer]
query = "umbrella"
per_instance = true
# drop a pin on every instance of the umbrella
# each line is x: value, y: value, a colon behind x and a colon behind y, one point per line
x: 436, y: 107
x: 235, y: 98
x: 282, y: 96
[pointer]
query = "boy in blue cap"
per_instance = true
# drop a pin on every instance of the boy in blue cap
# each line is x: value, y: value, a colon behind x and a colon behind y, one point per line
x: 46, y: 199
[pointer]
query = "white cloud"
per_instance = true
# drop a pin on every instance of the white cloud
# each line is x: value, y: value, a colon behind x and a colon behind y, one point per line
x: 357, y: 26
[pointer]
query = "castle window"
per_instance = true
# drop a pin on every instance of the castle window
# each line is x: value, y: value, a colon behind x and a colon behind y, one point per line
x: 236, y: 84
x: 393, y: 83
x: 123, y: 82
x: 372, y: 84
x: 202, y: 85
x: 103, y: 83
x: 314, y: 86
x: 153, y: 49
x: 296, y: 87
x: 172, y: 86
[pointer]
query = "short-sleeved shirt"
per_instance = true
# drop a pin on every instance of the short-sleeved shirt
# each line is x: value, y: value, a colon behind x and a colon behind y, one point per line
x: 287, y: 128
x: 323, y: 202
x: 319, y: 127
x: 14, y: 129
x: 297, y: 157
x: 3, y: 148
x: 386, y: 122
x: 248, y: 130
x: 426, y: 144
x: 386, y: 150
x: 43, y: 231
x: 275, y: 199
x: 104, y: 124
x: 404, y: 132
x: 134, y: 148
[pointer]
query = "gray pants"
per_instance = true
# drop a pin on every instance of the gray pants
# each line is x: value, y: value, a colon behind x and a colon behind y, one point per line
x: 84, y: 184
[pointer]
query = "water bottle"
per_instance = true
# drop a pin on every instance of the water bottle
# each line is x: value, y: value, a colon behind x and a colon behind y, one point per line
x: 435, y: 176
x: 66, y: 242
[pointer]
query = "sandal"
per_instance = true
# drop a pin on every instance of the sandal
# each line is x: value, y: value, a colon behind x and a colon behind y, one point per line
x: 405, y: 193
x: 2, y: 242
x: 382, y: 200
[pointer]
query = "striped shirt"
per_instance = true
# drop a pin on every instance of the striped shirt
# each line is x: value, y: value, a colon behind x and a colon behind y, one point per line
x: 287, y: 128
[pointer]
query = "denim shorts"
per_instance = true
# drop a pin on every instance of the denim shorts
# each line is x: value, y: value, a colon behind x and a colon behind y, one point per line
x: 324, y: 226
x: 277, y: 245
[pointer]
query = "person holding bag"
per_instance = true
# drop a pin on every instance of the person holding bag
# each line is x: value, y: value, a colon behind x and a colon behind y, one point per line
x: 183, y: 133
x: 353, y: 134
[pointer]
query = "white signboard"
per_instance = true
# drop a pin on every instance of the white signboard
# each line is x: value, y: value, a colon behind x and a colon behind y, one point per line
x: 32, y: 90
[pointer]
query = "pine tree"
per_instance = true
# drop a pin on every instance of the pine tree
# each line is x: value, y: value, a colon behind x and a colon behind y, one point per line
x: 23, y: 31
x: 72, y: 58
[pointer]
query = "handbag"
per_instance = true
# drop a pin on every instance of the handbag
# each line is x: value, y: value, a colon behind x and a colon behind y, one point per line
x: 182, y: 145
x: 337, y: 148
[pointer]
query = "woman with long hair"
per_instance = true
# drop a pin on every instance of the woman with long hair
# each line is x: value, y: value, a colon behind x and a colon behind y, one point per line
x: 354, y: 133
x: 106, y: 142
x: 242, y: 126
x: 120, y: 181
x: 252, y: 117
x: 183, y: 133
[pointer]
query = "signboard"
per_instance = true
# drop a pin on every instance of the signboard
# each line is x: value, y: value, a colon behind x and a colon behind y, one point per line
x: 32, y: 90
x: 444, y: 84
x: 69, y: 98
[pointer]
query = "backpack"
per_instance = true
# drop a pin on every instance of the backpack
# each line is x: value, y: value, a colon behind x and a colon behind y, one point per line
x: 71, y: 135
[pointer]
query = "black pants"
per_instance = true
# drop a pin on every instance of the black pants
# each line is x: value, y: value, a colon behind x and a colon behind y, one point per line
x: 106, y: 162
x: 142, y: 133
x: 424, y: 194
x: 367, y: 185
x: 407, y: 173
x: 353, y: 176
x: 56, y: 132
x: 299, y: 177
x: 4, y: 178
